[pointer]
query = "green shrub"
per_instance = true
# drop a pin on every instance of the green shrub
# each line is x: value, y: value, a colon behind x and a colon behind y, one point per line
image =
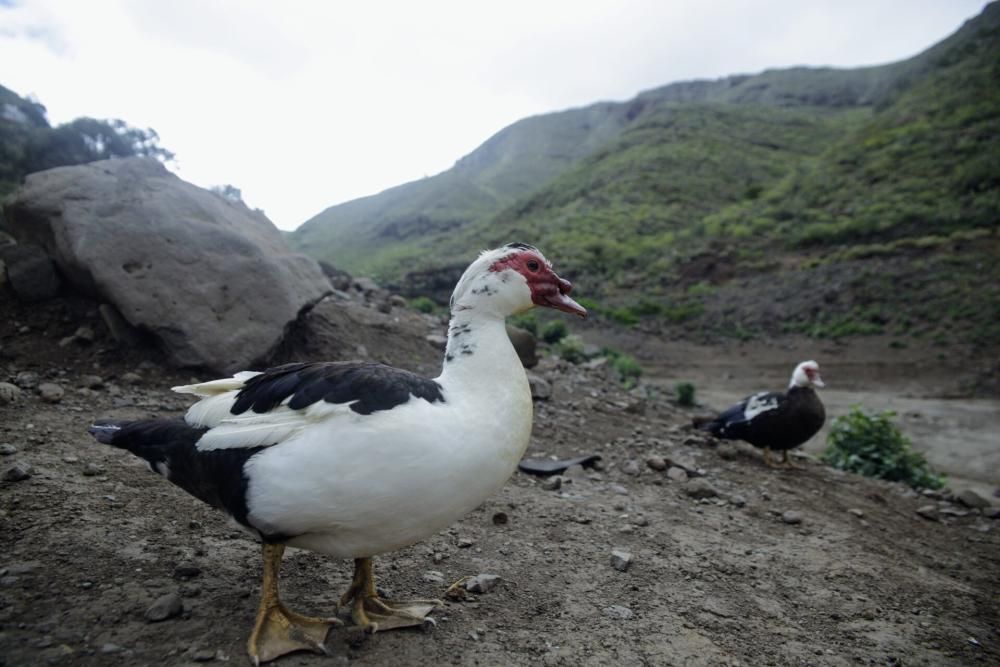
x: 685, y: 394
x: 526, y: 321
x: 875, y: 447
x: 570, y: 348
x: 629, y: 370
x: 423, y: 304
x: 554, y: 331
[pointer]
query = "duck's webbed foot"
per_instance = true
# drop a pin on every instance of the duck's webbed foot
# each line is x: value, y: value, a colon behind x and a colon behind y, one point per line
x: 279, y: 630
x: 371, y: 613
x: 786, y: 461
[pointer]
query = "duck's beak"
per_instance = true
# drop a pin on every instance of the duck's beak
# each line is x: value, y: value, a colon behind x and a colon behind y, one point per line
x: 558, y: 297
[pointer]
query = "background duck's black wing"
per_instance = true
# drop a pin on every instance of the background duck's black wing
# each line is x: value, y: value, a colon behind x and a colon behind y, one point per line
x: 738, y: 421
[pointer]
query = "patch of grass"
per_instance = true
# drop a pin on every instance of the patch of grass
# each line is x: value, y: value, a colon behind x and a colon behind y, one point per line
x: 527, y: 321
x: 554, y: 331
x: 685, y: 394
x: 424, y: 305
x: 872, y: 445
x: 570, y: 348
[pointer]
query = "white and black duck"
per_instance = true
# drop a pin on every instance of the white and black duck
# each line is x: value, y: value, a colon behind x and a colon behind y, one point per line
x: 777, y: 421
x: 353, y: 459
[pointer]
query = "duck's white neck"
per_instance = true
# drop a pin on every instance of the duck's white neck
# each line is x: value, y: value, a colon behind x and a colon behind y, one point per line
x: 479, y: 352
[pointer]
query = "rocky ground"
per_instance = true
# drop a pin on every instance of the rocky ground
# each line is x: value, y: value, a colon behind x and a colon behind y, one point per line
x: 673, y: 551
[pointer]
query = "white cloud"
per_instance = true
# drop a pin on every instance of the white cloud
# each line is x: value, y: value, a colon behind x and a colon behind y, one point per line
x: 305, y: 104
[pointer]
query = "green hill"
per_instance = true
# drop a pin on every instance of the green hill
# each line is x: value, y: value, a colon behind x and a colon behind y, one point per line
x: 833, y: 202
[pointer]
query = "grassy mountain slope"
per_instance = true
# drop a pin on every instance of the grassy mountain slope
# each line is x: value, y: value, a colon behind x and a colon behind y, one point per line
x: 834, y: 202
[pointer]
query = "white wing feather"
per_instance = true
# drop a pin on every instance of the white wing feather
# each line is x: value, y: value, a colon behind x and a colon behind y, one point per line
x: 759, y: 403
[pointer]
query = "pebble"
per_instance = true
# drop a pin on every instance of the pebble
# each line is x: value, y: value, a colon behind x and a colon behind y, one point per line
x: 84, y: 334
x: 26, y: 380
x: 970, y: 498
x: 203, y: 655
x: 433, y: 577
x: 92, y: 469
x: 677, y: 474
x: 792, y: 517
x: 500, y: 519
x: 618, y: 612
x: 631, y: 467
x: 7, y: 450
x: 856, y: 512
x: 621, y: 560
x: 166, y: 606
x: 482, y: 583
x: 465, y: 542
x: 91, y: 381
x: 437, y: 340
x: 9, y: 393
x: 18, y: 472
x: 541, y: 390
x: 738, y: 500
x: 131, y: 378
x: 111, y: 648
x: 656, y: 463
x: 50, y: 392
x: 727, y: 451
x: 438, y: 557
x: 618, y: 489
x: 928, y: 512
x: 699, y: 488
x: 553, y: 483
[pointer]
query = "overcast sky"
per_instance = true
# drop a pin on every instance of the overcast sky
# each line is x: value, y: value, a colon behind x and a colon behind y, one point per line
x: 302, y: 105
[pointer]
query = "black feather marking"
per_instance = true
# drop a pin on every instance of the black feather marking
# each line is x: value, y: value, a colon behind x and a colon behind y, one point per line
x: 368, y: 387
x: 521, y: 246
x: 216, y: 476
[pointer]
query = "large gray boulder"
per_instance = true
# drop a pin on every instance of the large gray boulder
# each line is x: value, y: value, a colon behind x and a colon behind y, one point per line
x: 211, y: 279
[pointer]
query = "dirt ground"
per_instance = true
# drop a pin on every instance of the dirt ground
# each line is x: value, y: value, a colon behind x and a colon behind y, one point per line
x: 741, y: 565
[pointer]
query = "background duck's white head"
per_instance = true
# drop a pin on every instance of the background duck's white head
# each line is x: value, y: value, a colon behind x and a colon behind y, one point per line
x: 510, y: 280
x: 806, y: 374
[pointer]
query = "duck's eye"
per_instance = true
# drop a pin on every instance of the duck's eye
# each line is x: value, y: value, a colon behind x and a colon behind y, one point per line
x: 533, y: 265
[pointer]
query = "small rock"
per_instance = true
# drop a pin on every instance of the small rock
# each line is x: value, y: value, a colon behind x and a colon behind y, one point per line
x: 621, y: 560
x: 676, y: 474
x: 727, y: 451
x: 433, y: 577
x: 110, y: 648
x: 992, y: 512
x: 928, y: 512
x: 618, y: 612
x: 91, y: 381
x: 792, y: 517
x: 553, y: 483
x: 618, y: 489
x: 482, y: 583
x: 397, y: 301
x: 970, y: 498
x: 92, y: 469
x: 437, y: 340
x: 9, y: 393
x: 699, y: 488
x: 203, y: 655
x: 656, y: 463
x: 7, y: 450
x: 541, y: 390
x: 465, y: 542
x: 50, y: 392
x: 631, y: 467
x: 640, y: 520
x: 500, y: 519
x: 131, y: 378
x: 18, y: 472
x: 26, y: 380
x: 738, y: 500
x: 438, y: 557
x: 166, y: 606
x: 84, y: 335
x: 856, y: 512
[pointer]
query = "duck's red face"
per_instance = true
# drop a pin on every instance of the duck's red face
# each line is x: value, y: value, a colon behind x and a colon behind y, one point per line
x: 547, y: 289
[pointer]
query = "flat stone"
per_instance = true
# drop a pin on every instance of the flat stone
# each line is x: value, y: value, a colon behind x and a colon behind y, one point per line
x: 541, y: 390
x: 631, y: 467
x: 186, y: 571
x: 18, y: 472
x: 91, y: 381
x: 618, y: 612
x: 700, y: 488
x: 928, y: 512
x: 165, y: 607
x: 92, y: 470
x: 676, y: 474
x: 437, y: 340
x: 970, y: 498
x: 791, y: 517
x: 856, y: 512
x: 433, y: 577
x: 26, y: 380
x: 621, y: 560
x: 7, y: 450
x: 482, y: 583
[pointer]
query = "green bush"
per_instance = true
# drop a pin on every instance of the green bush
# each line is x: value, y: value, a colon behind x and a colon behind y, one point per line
x: 526, y: 321
x: 554, y: 331
x: 875, y: 447
x: 570, y: 348
x: 685, y: 394
x: 629, y: 370
x: 423, y: 304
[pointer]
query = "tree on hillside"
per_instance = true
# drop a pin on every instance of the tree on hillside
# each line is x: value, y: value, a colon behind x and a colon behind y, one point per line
x: 88, y: 140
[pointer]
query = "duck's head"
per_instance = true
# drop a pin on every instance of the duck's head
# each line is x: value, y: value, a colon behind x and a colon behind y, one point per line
x: 510, y: 280
x: 806, y: 374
